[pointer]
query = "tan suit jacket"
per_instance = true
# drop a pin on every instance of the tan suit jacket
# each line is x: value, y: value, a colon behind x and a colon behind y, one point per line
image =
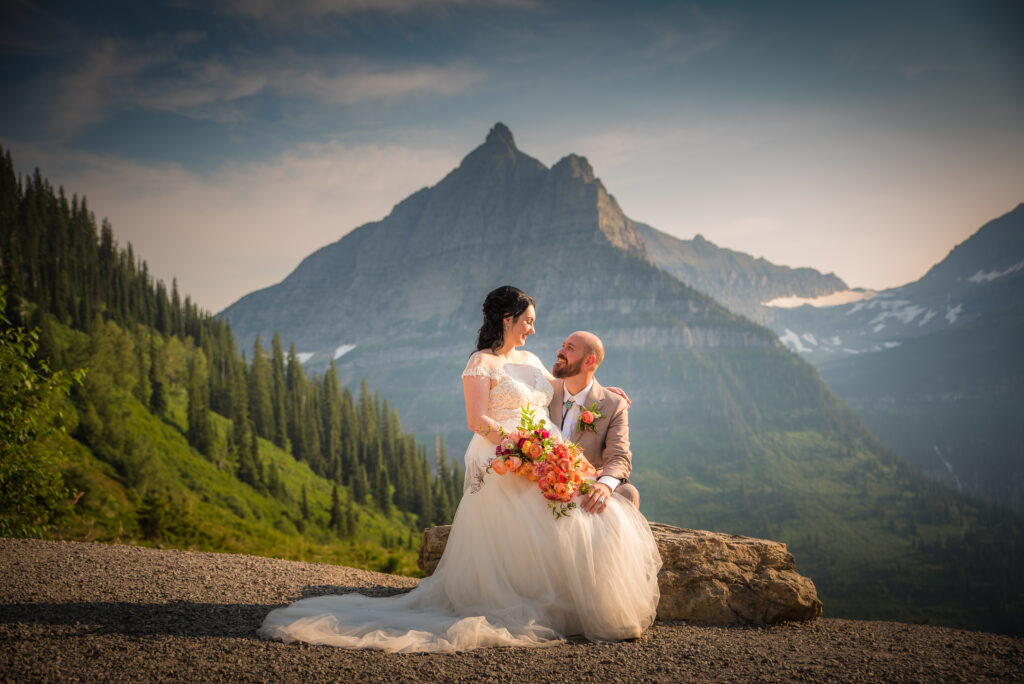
x: 607, y: 446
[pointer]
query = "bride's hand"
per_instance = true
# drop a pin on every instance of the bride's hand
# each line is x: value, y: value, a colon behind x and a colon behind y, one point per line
x: 621, y: 393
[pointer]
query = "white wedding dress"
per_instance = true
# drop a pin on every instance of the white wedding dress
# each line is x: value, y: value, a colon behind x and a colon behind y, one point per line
x: 511, y: 574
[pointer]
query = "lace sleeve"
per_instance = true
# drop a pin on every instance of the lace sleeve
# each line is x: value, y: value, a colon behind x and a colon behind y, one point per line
x: 482, y: 364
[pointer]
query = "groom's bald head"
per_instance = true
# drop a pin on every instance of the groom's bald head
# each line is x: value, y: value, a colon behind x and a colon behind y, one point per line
x: 590, y: 344
x: 580, y: 355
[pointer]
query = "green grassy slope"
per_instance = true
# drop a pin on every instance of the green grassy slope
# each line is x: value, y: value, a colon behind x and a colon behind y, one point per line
x: 146, y: 485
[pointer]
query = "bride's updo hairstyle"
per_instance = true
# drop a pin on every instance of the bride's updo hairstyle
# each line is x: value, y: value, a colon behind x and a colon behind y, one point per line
x: 504, y: 301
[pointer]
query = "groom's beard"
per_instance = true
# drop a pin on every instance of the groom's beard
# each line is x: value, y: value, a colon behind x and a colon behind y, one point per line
x: 564, y: 369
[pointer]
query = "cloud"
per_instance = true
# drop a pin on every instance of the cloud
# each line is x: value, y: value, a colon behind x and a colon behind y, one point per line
x: 355, y: 84
x: 245, y: 226
x: 117, y: 75
x: 88, y: 93
x: 291, y: 10
x: 679, y: 43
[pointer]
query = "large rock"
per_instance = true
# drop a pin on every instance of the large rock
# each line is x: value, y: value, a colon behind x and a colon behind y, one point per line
x: 708, y: 577
x: 730, y: 579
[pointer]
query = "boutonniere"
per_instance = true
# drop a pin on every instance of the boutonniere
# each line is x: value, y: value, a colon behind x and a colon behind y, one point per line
x: 588, y: 416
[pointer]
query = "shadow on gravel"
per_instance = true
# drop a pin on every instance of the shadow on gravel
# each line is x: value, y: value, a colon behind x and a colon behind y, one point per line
x: 180, y: 618
x: 142, y: 619
x: 329, y: 589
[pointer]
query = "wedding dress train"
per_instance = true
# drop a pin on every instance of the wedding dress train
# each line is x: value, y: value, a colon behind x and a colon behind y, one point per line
x: 511, y: 574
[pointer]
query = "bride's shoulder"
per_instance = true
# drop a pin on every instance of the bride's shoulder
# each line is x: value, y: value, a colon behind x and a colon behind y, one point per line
x: 532, y: 359
x: 529, y: 357
x: 483, y: 362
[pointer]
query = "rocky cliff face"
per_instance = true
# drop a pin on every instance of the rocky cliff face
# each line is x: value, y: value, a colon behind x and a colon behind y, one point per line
x: 500, y: 217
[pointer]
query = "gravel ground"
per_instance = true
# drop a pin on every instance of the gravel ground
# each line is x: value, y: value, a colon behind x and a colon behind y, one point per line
x: 72, y: 611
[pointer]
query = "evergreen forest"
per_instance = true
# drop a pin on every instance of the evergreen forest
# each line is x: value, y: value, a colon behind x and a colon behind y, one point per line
x: 130, y: 414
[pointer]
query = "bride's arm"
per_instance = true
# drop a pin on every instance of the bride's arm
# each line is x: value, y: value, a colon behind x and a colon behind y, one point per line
x: 476, y: 389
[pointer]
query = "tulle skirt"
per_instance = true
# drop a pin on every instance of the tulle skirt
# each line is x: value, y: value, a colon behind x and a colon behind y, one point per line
x: 511, y: 575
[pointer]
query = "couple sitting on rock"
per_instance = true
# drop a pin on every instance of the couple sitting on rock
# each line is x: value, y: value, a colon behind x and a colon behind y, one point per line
x: 513, y: 574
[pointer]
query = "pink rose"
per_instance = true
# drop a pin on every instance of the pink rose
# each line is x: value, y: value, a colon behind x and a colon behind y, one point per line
x: 587, y: 417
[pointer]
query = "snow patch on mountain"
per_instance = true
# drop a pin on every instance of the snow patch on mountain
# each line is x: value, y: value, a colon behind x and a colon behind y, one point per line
x: 343, y: 349
x: 988, y: 276
x: 952, y: 313
x: 303, y: 357
x: 832, y: 299
x: 949, y: 468
x: 903, y: 310
x: 927, y: 317
x: 792, y: 340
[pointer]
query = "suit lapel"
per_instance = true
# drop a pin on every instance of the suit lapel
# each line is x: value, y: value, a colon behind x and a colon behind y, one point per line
x: 556, y: 402
x: 596, y: 395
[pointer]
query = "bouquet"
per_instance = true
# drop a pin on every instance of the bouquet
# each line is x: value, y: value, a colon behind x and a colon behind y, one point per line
x: 559, y: 468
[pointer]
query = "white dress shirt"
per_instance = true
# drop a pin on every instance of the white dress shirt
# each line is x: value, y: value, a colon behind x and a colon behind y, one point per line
x: 572, y: 415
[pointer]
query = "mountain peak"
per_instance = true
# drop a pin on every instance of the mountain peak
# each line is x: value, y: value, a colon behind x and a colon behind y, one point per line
x: 501, y: 135
x: 576, y: 167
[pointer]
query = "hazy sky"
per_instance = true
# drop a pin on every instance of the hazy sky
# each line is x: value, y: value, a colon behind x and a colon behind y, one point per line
x: 228, y: 140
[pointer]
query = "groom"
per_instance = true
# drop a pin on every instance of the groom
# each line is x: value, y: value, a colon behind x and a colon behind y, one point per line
x: 605, y: 437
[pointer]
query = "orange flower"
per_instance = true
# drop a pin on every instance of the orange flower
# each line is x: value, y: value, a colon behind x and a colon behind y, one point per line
x: 561, y: 490
x: 587, y: 417
x: 513, y: 463
x: 498, y: 465
x: 535, y: 450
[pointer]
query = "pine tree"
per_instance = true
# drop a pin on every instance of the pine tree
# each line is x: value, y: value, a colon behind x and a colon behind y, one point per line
x: 260, y: 406
x: 337, y: 521
x: 200, y: 432
x: 158, y: 397
x: 305, y: 504
x: 274, y: 484
x: 351, y: 519
x: 277, y: 394
x: 382, y: 491
x: 360, y: 485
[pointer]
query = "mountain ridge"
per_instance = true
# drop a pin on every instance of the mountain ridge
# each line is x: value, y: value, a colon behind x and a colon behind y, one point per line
x: 946, y: 389
x: 739, y: 281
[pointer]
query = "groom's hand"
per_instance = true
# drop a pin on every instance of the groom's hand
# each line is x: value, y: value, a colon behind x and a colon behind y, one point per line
x: 597, y: 500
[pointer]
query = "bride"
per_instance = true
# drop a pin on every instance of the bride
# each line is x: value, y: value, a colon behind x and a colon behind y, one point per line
x: 511, y: 574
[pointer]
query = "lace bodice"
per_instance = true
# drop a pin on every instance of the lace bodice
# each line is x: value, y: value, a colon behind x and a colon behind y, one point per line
x: 519, y: 384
